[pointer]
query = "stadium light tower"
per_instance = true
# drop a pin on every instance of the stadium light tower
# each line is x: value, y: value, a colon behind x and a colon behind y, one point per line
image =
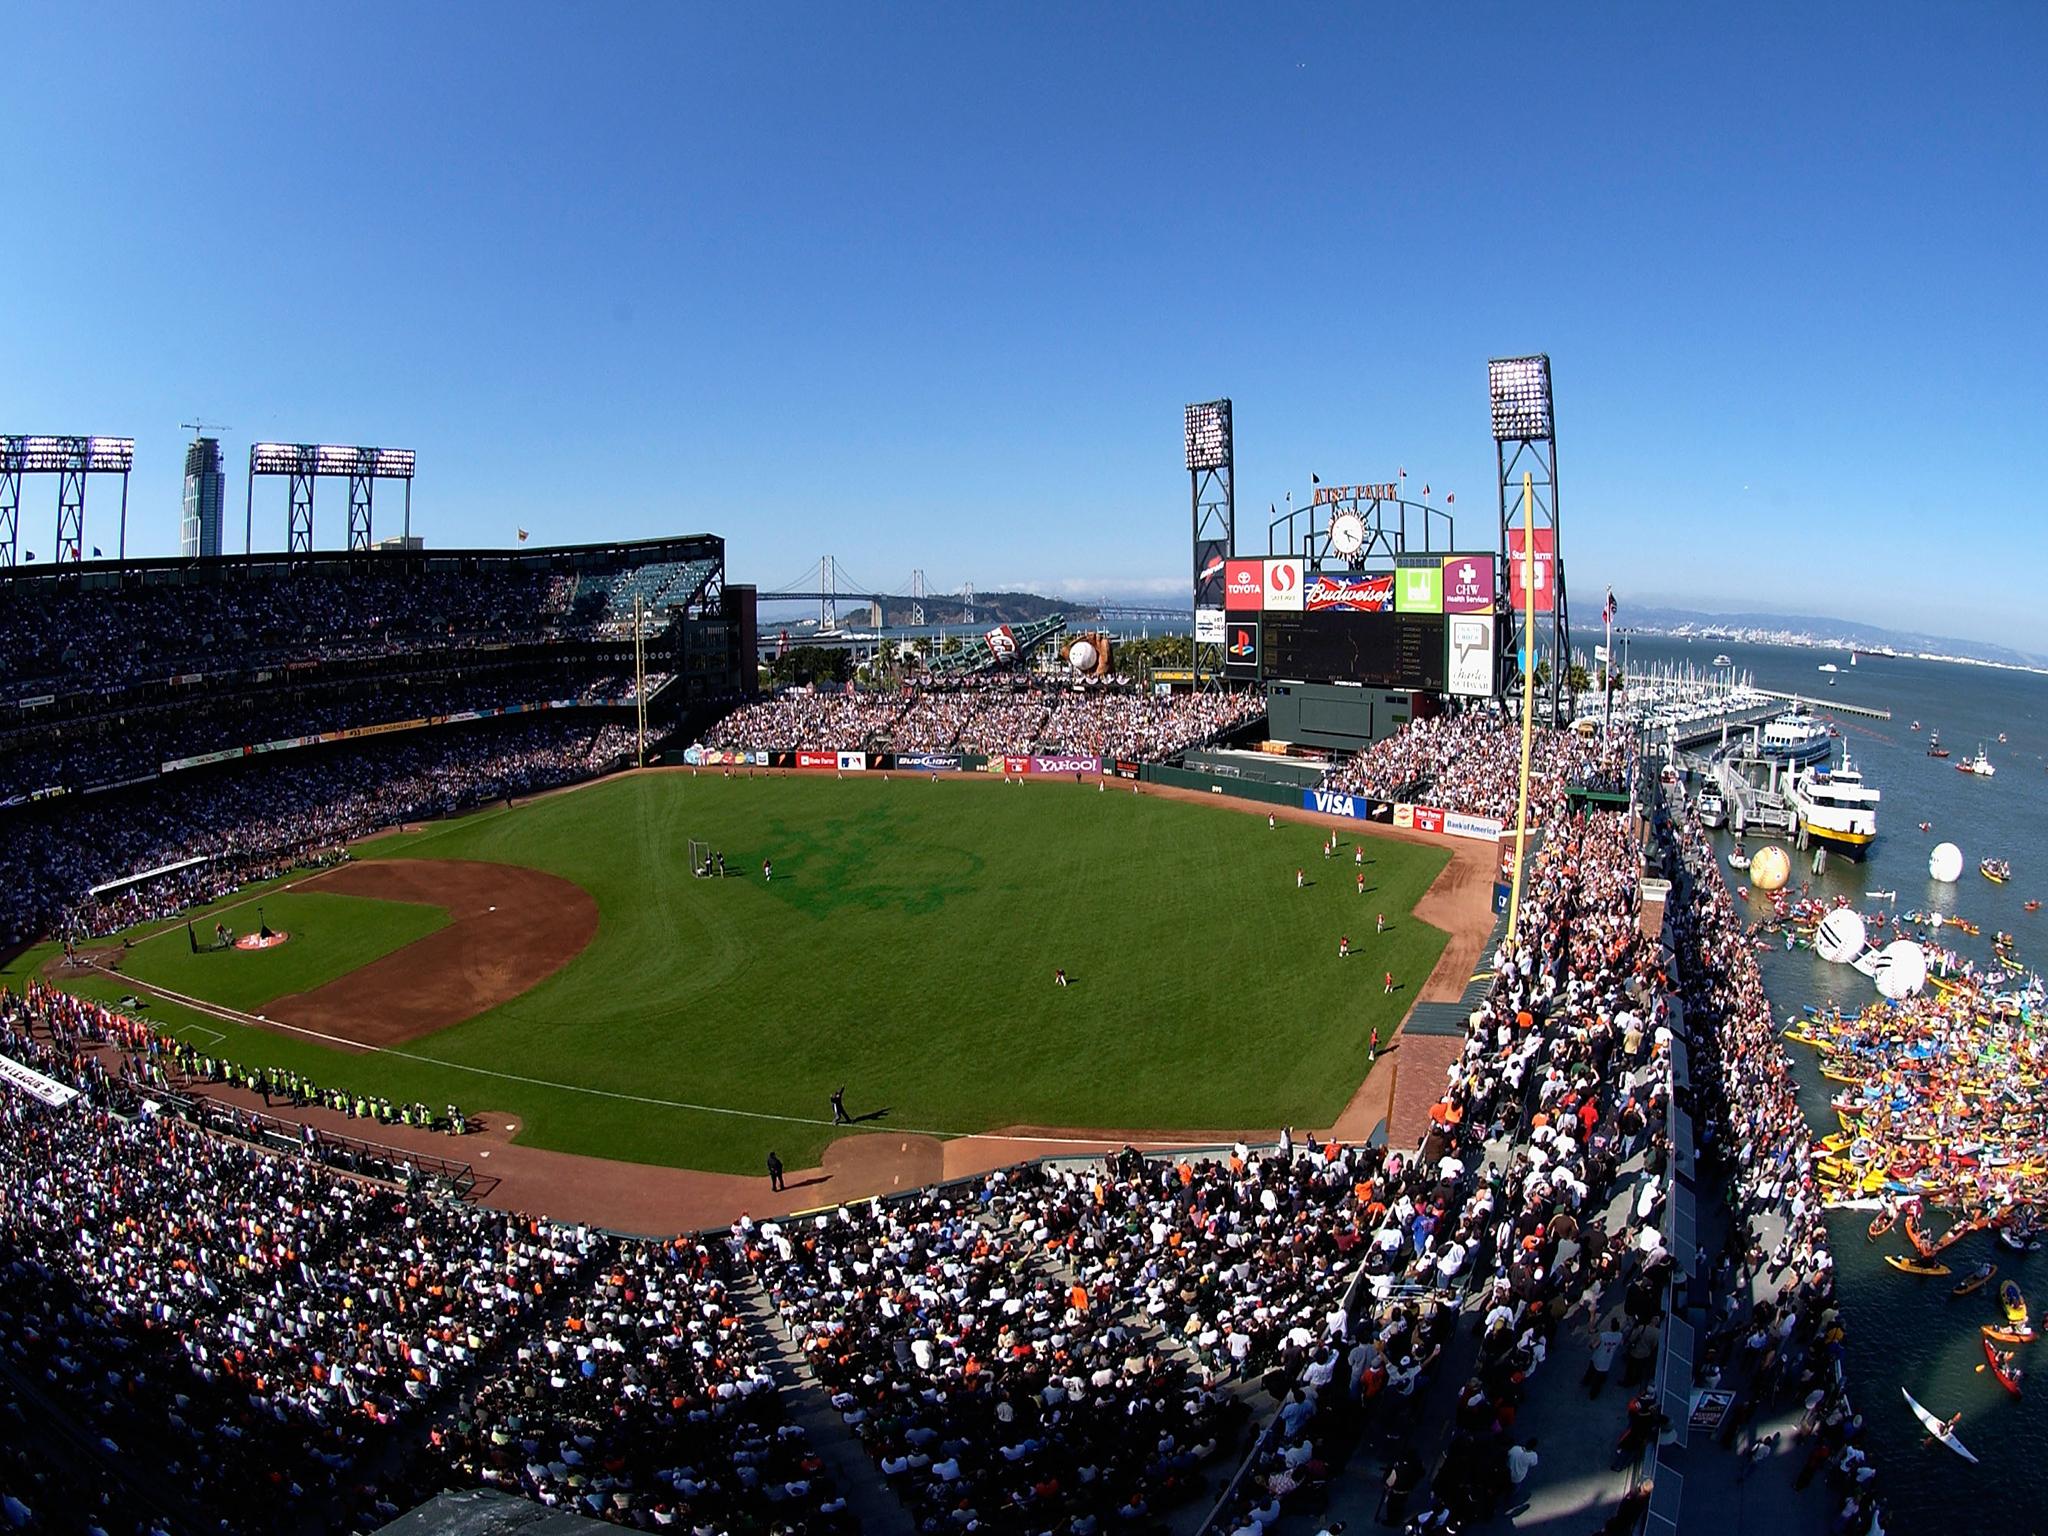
x: 73, y: 460
x: 303, y: 464
x: 1525, y: 447
x: 1211, y: 448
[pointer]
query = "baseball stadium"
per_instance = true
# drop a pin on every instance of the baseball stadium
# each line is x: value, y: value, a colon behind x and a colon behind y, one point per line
x: 481, y: 1027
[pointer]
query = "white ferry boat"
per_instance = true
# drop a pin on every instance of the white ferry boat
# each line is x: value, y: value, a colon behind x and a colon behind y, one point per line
x: 1797, y: 738
x: 1834, y: 807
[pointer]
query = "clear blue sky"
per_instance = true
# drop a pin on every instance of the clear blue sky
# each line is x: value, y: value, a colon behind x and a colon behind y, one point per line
x: 929, y: 286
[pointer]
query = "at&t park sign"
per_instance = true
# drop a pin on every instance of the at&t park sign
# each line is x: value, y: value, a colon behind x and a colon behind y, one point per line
x: 1326, y: 494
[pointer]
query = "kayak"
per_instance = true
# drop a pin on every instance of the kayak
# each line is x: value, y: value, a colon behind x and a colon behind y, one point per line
x: 1999, y: 1369
x: 2012, y: 1302
x: 1881, y: 1223
x: 1965, y: 1287
x: 2010, y: 1335
x: 1915, y: 1266
x: 1936, y: 1428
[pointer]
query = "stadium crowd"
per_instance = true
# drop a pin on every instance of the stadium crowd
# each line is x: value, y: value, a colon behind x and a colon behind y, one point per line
x: 1072, y: 1346
x: 1469, y: 762
x: 137, y: 742
x: 988, y: 717
x: 1777, y: 1333
x: 260, y: 816
x: 303, y: 1351
x: 55, y: 636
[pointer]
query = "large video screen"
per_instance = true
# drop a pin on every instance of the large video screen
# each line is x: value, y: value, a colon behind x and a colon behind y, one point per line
x: 1376, y: 650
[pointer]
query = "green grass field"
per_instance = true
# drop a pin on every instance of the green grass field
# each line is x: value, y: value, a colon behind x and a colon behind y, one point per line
x: 330, y: 936
x: 905, y: 948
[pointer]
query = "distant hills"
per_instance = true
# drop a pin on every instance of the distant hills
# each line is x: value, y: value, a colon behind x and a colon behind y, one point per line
x: 1815, y: 630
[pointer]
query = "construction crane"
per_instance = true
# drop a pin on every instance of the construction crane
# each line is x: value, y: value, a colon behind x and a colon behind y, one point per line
x: 199, y: 427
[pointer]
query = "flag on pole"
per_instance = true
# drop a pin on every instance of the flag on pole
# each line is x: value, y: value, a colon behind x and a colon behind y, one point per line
x: 1404, y: 471
x: 1450, y: 497
x: 1425, y: 490
x: 522, y: 535
x: 1607, y: 613
x: 96, y: 553
x: 1314, y: 478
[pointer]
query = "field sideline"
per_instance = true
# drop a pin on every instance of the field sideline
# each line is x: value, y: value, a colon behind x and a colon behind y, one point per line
x: 905, y: 948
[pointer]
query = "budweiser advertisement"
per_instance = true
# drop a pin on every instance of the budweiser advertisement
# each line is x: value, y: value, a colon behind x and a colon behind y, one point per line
x: 1468, y: 584
x: 1371, y: 592
x: 1244, y: 585
x: 1533, y: 588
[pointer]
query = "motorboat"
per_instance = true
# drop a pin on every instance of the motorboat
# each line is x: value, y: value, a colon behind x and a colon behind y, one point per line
x: 1934, y: 746
x: 1834, y: 807
x: 1916, y: 725
x: 1998, y: 871
x: 1980, y: 765
x: 1724, y: 660
x: 1829, y: 666
x: 1738, y: 857
x: 1712, y: 809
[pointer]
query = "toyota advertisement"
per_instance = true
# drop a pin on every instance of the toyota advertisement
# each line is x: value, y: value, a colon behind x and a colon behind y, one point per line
x: 1244, y: 585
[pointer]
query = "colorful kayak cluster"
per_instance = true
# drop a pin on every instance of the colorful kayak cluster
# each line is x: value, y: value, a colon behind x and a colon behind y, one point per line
x: 1939, y: 1101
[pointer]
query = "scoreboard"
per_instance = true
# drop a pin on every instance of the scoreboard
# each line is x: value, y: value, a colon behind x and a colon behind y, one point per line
x: 1375, y: 650
x: 1432, y: 624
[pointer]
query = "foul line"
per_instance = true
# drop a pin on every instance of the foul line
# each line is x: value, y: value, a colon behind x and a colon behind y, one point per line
x: 251, y: 1021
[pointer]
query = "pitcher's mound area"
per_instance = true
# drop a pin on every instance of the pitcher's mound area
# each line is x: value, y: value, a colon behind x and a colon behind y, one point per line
x: 509, y: 929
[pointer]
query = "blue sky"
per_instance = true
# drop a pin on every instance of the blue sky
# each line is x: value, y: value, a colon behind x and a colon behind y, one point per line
x: 929, y: 286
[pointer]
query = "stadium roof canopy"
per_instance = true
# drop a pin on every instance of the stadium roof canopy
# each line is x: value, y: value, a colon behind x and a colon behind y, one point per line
x: 276, y: 564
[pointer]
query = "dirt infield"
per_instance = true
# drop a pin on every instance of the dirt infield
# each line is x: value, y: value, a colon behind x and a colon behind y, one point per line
x: 510, y: 929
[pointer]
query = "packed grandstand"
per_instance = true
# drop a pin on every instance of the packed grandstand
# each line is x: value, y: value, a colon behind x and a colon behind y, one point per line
x: 258, y: 1338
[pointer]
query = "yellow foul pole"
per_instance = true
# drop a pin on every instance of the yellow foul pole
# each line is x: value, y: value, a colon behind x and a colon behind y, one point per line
x: 1528, y: 691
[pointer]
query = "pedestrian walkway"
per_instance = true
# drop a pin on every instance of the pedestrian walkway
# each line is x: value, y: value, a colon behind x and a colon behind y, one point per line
x: 805, y: 1400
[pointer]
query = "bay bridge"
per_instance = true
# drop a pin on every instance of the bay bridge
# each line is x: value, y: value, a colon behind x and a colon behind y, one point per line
x: 827, y: 583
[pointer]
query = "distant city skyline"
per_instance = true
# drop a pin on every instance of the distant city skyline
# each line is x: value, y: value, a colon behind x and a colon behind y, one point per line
x: 929, y: 287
